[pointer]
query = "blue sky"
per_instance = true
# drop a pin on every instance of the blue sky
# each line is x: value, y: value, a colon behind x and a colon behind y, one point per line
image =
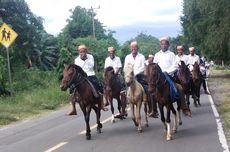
x: 126, y: 17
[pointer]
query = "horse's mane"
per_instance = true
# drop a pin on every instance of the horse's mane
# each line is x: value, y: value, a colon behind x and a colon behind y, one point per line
x: 128, y: 69
x: 79, y: 69
x: 109, y: 69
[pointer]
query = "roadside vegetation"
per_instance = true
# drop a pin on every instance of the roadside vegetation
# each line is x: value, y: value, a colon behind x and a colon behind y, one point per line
x: 219, y: 86
x: 35, y: 92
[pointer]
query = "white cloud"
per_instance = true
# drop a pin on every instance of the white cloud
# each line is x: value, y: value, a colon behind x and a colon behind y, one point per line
x: 112, y: 13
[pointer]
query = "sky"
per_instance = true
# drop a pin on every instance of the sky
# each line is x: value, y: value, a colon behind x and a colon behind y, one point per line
x: 126, y: 17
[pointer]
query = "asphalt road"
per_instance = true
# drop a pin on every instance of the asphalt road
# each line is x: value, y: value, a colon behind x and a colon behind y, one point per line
x: 61, y: 133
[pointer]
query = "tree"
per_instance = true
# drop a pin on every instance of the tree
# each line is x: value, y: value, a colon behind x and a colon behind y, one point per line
x: 206, y: 26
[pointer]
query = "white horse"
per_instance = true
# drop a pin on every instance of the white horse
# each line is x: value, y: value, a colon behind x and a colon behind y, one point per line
x: 135, y: 96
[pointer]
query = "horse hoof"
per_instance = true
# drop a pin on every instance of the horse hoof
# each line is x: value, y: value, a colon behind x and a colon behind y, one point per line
x: 174, y: 131
x: 100, y: 125
x: 98, y: 130
x: 88, y: 137
x: 140, y: 131
x: 113, y: 121
x: 146, y: 125
x: 180, y: 123
x: 72, y: 113
x: 169, y: 138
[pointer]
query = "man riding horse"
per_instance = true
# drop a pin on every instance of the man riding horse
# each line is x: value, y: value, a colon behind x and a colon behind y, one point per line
x: 167, y: 62
x: 86, y: 62
x: 138, y: 61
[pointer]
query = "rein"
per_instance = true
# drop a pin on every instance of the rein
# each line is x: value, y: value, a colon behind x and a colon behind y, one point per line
x: 77, y: 79
x: 157, y: 82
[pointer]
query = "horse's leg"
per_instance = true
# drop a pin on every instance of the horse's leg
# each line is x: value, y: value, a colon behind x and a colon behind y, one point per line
x: 146, y: 114
x: 123, y: 105
x: 198, y: 94
x: 74, y: 99
x: 195, y: 96
x: 112, y: 110
x: 175, y: 120
x: 85, y: 111
x: 133, y: 114
x: 187, y: 99
x: 161, y: 108
x: 179, y: 112
x: 98, y: 115
x: 138, y: 116
x: 168, y: 132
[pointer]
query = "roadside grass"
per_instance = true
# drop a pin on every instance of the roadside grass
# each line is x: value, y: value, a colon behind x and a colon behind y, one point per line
x: 35, y: 92
x: 219, y: 86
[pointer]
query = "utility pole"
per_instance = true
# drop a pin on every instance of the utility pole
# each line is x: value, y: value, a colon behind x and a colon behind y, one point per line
x: 93, y: 24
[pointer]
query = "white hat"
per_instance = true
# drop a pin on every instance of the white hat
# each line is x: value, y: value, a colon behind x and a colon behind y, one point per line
x: 191, y: 48
x: 82, y: 47
x: 179, y: 47
x: 133, y: 43
x: 151, y: 56
x: 110, y: 49
x: 165, y: 38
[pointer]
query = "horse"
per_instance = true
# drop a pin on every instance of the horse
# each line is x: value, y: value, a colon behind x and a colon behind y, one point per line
x: 135, y: 97
x: 113, y: 90
x: 74, y: 75
x: 183, y: 78
x: 157, y: 84
x: 196, y: 79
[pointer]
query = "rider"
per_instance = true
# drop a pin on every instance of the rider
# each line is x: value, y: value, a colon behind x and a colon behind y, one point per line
x: 203, y: 69
x: 86, y: 62
x: 167, y: 62
x: 113, y: 61
x: 180, y: 55
x: 138, y: 61
x: 192, y: 58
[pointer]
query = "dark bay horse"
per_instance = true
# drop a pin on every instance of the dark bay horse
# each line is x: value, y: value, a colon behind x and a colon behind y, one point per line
x: 113, y: 90
x: 196, y: 78
x: 158, y: 85
x: 183, y: 78
x: 74, y: 75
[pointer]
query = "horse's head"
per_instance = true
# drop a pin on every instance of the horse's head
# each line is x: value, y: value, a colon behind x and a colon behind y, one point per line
x: 108, y: 77
x: 71, y: 74
x: 153, y: 76
x: 196, y: 72
x: 183, y: 73
x: 129, y: 75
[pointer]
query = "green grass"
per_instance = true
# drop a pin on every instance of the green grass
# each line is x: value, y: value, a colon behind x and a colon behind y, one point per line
x: 39, y: 92
x: 219, y: 85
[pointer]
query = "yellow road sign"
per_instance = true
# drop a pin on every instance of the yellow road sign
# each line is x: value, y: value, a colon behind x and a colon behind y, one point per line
x: 7, y: 35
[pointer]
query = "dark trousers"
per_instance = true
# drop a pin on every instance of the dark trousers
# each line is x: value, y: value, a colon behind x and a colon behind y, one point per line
x: 96, y: 83
x: 152, y: 104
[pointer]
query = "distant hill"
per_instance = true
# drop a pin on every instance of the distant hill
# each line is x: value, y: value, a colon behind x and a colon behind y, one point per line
x: 124, y: 33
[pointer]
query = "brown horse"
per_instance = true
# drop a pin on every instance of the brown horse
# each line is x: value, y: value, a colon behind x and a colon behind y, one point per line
x: 74, y: 75
x: 196, y: 78
x: 158, y: 85
x: 113, y: 90
x: 135, y: 97
x: 183, y: 78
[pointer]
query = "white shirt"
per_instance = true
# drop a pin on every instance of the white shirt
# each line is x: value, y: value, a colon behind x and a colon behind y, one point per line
x: 182, y: 57
x: 192, y: 59
x: 87, y: 65
x: 138, y: 63
x: 166, y: 61
x: 115, y: 63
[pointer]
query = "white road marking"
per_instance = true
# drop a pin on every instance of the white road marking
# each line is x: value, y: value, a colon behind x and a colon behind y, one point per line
x: 82, y: 132
x: 220, y: 130
x: 56, y: 147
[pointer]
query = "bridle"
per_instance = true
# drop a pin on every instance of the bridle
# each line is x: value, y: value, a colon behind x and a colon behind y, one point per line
x: 157, y: 83
x: 76, y: 79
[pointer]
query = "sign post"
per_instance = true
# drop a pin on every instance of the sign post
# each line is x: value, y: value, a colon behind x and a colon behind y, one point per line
x: 7, y: 37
